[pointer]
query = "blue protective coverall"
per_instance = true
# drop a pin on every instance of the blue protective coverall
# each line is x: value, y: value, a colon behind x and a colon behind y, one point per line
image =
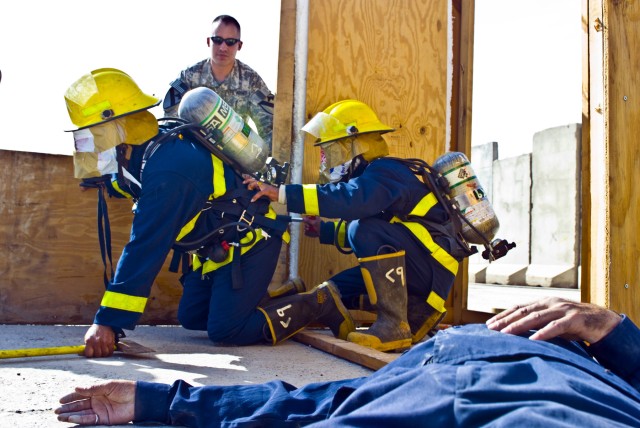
x: 179, y: 181
x: 386, y: 205
x: 465, y: 376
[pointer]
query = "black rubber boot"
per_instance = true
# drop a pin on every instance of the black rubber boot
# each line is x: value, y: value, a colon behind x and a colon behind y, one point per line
x: 288, y: 315
x: 288, y: 288
x: 385, y: 281
x: 423, y: 317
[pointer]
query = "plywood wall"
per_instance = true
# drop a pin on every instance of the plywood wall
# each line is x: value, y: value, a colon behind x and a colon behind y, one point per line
x: 392, y: 55
x: 50, y: 265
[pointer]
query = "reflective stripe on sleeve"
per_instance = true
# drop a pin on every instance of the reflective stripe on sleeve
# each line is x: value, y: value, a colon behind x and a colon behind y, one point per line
x: 123, y: 302
x: 310, y: 196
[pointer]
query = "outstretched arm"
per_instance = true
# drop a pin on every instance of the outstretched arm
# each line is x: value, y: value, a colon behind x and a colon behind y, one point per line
x: 111, y: 403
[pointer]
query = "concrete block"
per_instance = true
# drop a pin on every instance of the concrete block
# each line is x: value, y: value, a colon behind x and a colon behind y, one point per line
x: 512, y: 205
x: 555, y: 199
x: 548, y: 275
x: 478, y: 272
x: 506, y: 274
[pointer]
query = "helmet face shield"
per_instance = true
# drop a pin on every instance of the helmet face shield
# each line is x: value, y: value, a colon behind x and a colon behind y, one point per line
x: 347, y: 118
x: 91, y: 164
x: 95, y: 147
x: 338, y: 152
x: 325, y: 127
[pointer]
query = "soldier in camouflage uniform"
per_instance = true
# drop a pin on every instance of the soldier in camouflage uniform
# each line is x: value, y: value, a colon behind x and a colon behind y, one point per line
x: 234, y: 81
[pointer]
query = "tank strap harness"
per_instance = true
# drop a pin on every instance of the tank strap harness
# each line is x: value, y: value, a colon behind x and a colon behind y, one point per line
x: 240, y: 217
x: 440, y: 187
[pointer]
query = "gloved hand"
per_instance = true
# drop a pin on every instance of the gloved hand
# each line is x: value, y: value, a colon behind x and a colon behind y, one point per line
x: 311, y: 226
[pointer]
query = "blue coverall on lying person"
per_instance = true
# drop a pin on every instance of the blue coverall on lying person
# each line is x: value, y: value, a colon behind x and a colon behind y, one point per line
x: 464, y: 376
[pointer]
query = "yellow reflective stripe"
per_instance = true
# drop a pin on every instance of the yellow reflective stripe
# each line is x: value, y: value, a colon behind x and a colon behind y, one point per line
x: 436, y: 302
x: 438, y: 253
x: 342, y: 234
x: 272, y: 215
x: 188, y: 227
x: 425, y: 204
x: 124, y: 302
x: 219, y: 189
x: 100, y: 107
x: 219, y: 185
x: 310, y: 196
x: 117, y: 188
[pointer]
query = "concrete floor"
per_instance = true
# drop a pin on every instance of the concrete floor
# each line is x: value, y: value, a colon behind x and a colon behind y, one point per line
x: 30, y: 387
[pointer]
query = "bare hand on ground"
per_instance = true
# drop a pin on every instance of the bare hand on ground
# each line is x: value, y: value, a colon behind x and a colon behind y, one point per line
x: 111, y: 403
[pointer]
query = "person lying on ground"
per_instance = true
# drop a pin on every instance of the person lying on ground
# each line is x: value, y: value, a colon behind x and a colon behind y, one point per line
x: 581, y: 367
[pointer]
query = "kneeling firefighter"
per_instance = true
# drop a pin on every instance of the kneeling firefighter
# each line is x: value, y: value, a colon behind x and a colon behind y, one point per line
x: 402, y: 234
x: 186, y: 198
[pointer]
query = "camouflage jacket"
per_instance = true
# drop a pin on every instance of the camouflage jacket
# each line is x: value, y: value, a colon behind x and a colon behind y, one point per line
x: 243, y: 89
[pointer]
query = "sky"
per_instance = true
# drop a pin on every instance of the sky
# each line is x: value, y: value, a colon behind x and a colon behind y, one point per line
x: 527, y: 60
x: 527, y: 70
x: 47, y: 45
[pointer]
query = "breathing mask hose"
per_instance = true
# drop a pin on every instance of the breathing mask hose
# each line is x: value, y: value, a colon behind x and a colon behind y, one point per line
x: 188, y: 246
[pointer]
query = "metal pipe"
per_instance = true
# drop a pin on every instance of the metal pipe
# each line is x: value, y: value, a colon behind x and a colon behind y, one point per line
x: 299, y: 112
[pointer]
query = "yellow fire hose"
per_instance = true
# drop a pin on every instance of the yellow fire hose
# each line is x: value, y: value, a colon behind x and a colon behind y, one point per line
x: 128, y: 347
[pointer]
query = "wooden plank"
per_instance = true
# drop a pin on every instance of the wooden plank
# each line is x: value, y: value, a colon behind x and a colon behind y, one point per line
x: 598, y: 174
x: 622, y: 126
x: 366, y: 357
x: 462, y: 33
x: 585, y: 162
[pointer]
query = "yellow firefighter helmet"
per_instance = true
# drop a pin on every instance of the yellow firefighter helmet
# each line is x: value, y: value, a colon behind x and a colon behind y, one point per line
x: 347, y: 118
x: 103, y: 95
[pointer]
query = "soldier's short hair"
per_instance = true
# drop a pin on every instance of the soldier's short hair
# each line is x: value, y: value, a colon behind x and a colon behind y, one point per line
x: 227, y: 20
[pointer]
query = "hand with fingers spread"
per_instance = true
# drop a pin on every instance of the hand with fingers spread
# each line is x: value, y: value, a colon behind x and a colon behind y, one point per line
x: 556, y: 317
x: 100, y: 341
x: 111, y: 403
x: 264, y: 189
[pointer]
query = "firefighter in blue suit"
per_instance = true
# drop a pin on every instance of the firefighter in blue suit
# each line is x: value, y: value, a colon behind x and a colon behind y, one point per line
x: 467, y: 376
x: 183, y: 195
x: 402, y: 236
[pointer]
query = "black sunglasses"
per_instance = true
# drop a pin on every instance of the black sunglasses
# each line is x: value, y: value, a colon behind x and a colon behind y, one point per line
x: 218, y: 41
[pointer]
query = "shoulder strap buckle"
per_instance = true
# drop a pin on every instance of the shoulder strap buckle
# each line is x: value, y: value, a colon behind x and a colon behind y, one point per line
x: 245, y: 219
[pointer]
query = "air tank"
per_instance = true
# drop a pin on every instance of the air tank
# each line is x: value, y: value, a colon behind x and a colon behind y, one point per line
x: 469, y: 195
x: 240, y: 143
